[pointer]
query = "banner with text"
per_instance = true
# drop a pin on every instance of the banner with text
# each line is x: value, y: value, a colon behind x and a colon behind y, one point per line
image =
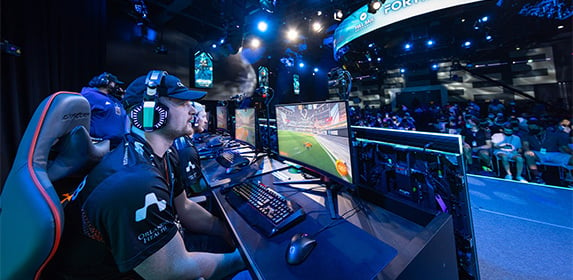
x: 361, y: 22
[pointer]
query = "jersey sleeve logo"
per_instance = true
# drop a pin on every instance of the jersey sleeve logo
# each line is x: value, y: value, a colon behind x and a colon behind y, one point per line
x: 150, y: 199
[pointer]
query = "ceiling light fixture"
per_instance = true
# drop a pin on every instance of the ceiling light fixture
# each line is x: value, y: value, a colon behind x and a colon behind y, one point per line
x: 338, y: 14
x: 374, y: 6
x: 316, y: 26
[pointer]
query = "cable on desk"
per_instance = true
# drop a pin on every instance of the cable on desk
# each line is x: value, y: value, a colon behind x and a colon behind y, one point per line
x: 337, y: 221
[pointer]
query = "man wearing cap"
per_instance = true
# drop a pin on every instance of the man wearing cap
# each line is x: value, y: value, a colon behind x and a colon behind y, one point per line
x: 108, y: 117
x: 189, y: 160
x: 126, y: 221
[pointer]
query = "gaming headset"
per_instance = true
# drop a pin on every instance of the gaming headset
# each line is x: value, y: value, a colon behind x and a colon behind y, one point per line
x: 100, y: 81
x: 151, y: 115
x: 195, y: 121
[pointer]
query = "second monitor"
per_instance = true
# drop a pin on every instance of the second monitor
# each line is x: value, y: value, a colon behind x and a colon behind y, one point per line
x: 317, y: 136
x: 245, y: 125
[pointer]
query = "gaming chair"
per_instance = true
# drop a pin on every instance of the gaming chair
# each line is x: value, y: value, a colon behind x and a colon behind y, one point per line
x: 56, y: 145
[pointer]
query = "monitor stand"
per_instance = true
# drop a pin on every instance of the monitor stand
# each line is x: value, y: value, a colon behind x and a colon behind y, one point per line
x: 332, y: 189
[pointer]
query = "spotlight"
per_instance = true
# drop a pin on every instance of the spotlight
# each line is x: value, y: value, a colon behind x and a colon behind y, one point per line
x: 434, y: 66
x: 315, y: 70
x: 292, y: 34
x: 408, y: 46
x: 262, y: 26
x: 255, y: 43
x: 402, y: 70
x: 430, y: 43
x: 301, y: 65
x: 214, y: 46
x: 338, y: 14
x: 488, y: 38
x: 316, y: 26
x: 467, y: 44
x: 374, y: 6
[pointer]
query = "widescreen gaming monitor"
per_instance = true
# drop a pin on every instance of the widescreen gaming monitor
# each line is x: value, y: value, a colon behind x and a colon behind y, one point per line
x: 316, y: 135
x: 245, y: 129
x: 222, y: 117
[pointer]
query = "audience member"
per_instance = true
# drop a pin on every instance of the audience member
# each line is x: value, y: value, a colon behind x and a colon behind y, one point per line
x: 547, y: 146
x: 126, y: 220
x: 477, y: 142
x: 495, y: 107
x: 506, y: 147
x: 108, y: 117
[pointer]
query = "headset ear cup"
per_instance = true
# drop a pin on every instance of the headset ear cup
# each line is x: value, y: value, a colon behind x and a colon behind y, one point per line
x: 160, y: 116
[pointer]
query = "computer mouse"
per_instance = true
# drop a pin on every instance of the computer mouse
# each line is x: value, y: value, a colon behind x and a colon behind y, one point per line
x: 299, y: 248
x: 232, y: 169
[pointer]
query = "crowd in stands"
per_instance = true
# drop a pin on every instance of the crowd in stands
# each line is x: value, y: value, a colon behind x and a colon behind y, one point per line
x: 500, y: 139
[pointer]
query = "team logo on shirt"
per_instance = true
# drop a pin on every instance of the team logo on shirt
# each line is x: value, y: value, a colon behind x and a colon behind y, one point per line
x: 150, y: 199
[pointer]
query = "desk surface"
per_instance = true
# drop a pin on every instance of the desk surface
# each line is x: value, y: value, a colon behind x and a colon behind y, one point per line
x: 343, y: 250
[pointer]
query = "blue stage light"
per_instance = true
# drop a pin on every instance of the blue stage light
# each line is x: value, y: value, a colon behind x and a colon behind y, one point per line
x: 402, y: 70
x: 408, y: 46
x: 301, y: 65
x: 467, y: 44
x: 484, y: 19
x: 430, y: 43
x: 262, y: 26
x: 435, y: 66
x: 315, y: 70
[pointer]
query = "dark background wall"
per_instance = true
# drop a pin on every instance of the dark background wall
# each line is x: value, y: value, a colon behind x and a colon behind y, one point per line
x: 63, y: 45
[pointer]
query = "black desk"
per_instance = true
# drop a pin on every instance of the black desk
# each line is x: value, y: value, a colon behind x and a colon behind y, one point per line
x: 343, y: 251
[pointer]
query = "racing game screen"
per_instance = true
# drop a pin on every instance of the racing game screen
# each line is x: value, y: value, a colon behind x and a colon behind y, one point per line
x: 316, y: 135
x: 245, y: 125
x: 222, y: 117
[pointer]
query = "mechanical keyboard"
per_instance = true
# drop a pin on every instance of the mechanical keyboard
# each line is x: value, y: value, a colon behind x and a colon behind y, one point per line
x: 263, y: 208
x: 231, y: 158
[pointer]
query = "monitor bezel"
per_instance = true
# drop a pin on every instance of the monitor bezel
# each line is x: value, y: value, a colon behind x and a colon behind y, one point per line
x: 316, y: 169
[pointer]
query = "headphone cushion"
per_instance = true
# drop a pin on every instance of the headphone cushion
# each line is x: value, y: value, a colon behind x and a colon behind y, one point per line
x: 161, y: 114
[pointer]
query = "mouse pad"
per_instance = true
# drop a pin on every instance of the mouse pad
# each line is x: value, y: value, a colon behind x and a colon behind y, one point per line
x: 343, y: 251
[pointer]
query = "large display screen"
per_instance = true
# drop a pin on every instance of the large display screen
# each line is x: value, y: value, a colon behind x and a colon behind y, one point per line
x: 222, y: 117
x: 316, y: 135
x: 203, y: 70
x: 362, y: 22
x: 245, y: 122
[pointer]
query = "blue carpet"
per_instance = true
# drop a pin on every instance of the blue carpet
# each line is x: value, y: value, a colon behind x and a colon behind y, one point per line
x: 522, y: 231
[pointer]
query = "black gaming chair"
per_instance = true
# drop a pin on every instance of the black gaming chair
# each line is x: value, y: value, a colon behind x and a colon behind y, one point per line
x: 55, y: 146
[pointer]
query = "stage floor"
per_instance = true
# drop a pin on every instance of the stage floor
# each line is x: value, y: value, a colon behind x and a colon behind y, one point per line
x: 522, y: 230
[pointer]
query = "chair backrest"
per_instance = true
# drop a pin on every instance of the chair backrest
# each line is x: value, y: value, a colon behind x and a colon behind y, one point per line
x: 56, y: 144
